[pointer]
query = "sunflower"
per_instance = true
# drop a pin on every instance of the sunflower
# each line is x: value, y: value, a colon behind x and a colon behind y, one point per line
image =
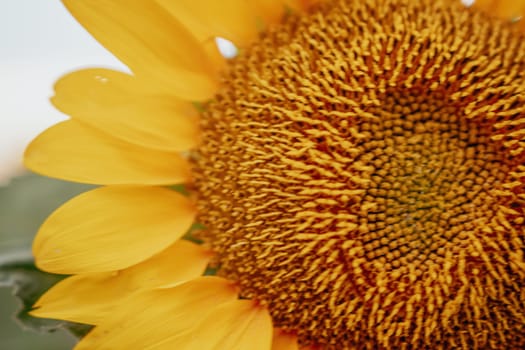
x: 353, y: 179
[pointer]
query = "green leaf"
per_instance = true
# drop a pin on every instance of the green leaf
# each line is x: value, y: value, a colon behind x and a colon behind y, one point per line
x: 28, y: 284
x: 24, y: 205
x: 14, y: 337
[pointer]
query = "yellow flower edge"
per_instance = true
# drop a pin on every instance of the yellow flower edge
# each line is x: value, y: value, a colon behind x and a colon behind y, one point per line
x: 506, y: 9
x: 134, y: 278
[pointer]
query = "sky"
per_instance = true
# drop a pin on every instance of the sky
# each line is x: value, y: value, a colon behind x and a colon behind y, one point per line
x: 39, y: 42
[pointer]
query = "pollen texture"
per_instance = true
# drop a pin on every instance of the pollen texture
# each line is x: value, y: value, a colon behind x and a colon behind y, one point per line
x: 362, y: 173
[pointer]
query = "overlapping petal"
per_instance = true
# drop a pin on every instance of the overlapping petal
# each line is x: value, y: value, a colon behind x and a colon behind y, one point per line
x: 231, y: 19
x: 300, y: 5
x: 509, y: 10
x: 111, y: 228
x: 160, y: 51
x: 270, y: 11
x: 116, y: 104
x: 75, y: 152
x: 89, y: 298
x: 84, y: 298
x: 155, y: 319
x: 180, y: 262
x: 239, y: 324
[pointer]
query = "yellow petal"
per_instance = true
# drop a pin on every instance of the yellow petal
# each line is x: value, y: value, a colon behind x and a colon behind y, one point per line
x: 299, y: 5
x: 114, y: 103
x: 504, y: 9
x: 179, y: 263
x: 306, y: 4
x: 271, y: 11
x: 71, y: 151
x: 218, y: 60
x: 284, y: 340
x: 157, y: 48
x: 151, y: 320
x: 188, y: 16
x: 239, y: 324
x: 295, y: 5
x: 82, y: 298
x: 111, y: 228
x: 89, y: 298
x: 234, y: 20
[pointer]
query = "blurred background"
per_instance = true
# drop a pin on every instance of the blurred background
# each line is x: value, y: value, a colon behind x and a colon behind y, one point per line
x: 39, y: 42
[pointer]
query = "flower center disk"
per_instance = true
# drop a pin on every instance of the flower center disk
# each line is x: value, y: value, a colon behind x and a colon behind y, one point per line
x: 362, y: 173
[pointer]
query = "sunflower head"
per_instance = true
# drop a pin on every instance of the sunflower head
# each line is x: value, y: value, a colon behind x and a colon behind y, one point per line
x: 354, y: 170
x: 359, y: 174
